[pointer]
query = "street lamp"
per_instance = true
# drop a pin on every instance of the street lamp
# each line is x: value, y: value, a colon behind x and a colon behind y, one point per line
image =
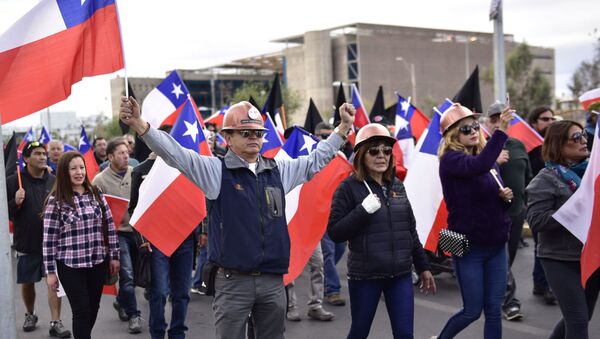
x: 410, y: 67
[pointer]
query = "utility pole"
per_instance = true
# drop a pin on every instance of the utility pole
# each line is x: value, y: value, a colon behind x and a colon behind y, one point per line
x: 499, y: 65
x: 7, y: 301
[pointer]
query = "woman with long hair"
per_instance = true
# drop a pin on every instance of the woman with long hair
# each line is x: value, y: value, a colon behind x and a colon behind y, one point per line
x: 477, y: 208
x: 371, y: 211
x: 80, y: 241
x: 566, y: 158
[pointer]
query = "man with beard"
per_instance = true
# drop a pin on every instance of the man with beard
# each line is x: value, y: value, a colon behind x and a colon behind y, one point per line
x: 540, y: 119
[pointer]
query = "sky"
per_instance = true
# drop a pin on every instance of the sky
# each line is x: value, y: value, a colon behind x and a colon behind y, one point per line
x: 163, y: 35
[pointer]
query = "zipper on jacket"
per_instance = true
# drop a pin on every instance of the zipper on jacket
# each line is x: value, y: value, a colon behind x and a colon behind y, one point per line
x: 387, y: 203
x: 262, y: 231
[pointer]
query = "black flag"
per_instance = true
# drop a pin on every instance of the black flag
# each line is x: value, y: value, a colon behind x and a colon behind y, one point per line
x: 313, y: 117
x: 469, y: 95
x: 10, y: 155
x: 340, y: 100
x: 378, y: 105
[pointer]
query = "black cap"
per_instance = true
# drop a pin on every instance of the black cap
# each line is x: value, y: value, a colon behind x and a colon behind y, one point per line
x: 30, y: 145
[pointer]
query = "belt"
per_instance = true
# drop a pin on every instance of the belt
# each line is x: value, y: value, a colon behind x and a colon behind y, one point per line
x: 229, y: 271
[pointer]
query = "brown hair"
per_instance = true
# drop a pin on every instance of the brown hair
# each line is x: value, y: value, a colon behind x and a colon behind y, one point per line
x: 360, y: 169
x: 450, y: 142
x: 556, y: 136
x: 62, y: 190
x: 114, y: 143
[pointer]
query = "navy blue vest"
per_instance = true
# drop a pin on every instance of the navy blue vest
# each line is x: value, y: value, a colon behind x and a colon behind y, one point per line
x: 247, y: 226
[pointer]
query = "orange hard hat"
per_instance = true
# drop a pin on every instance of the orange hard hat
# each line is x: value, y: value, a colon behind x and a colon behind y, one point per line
x: 371, y: 132
x: 454, y: 114
x: 242, y: 116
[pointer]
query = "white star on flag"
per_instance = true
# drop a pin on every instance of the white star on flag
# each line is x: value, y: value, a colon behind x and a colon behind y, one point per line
x: 401, y: 123
x: 265, y: 140
x: 82, y: 2
x: 81, y: 142
x: 405, y: 105
x: 177, y: 90
x: 192, y: 130
x: 309, y: 143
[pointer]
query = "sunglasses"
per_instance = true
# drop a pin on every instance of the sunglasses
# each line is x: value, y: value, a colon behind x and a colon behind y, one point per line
x: 247, y: 133
x: 547, y: 119
x: 468, y: 129
x: 578, y: 136
x: 324, y: 135
x: 374, y: 151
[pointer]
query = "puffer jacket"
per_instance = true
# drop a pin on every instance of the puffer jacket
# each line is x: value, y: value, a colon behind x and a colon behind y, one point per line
x: 382, y: 244
x: 545, y: 195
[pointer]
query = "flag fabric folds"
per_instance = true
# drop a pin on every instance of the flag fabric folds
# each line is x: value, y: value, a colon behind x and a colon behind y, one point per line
x: 426, y: 196
x: 470, y: 95
x: 26, y: 138
x: 313, y: 117
x: 217, y: 118
x: 308, y: 205
x: 118, y: 207
x: 589, y: 97
x: 274, y: 105
x: 362, y: 117
x: 170, y: 206
x: 410, y: 123
x: 163, y: 104
x: 86, y: 150
x: 272, y: 141
x: 581, y: 213
x: 52, y: 47
x: 520, y: 129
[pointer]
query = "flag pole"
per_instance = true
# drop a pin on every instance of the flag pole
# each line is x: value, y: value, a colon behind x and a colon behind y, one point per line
x: 499, y: 67
x: 123, y: 51
x: 7, y: 299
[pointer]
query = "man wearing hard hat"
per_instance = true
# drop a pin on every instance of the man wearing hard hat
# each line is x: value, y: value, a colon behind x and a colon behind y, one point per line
x: 248, y: 235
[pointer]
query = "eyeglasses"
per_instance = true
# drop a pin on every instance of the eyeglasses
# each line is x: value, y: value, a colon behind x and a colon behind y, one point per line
x: 468, y: 129
x: 247, y: 133
x: 374, y: 151
x: 547, y: 119
x: 324, y: 135
x: 577, y: 136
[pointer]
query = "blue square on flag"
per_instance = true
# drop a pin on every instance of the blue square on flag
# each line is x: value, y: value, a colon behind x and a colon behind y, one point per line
x: 300, y: 143
x: 187, y: 129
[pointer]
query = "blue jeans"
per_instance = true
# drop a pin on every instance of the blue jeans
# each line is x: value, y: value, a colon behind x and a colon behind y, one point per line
x: 481, y: 275
x: 201, y: 259
x: 170, y: 276
x: 399, y: 301
x: 332, y: 253
x: 126, y: 295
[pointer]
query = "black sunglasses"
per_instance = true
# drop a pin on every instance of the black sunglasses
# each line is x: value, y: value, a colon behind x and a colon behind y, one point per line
x: 324, y: 135
x: 577, y: 136
x: 374, y: 151
x: 247, y: 133
x: 468, y: 129
x: 546, y: 119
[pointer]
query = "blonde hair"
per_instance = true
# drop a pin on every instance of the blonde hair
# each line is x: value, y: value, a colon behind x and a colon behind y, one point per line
x: 450, y: 143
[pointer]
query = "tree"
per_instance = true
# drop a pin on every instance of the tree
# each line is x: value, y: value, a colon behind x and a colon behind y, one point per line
x: 526, y: 85
x: 259, y: 91
x: 587, y: 76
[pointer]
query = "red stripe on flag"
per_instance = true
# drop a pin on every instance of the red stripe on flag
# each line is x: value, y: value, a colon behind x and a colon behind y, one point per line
x: 590, y: 257
x: 361, y: 118
x: 109, y: 289
x: 91, y: 166
x: 418, y: 123
x: 439, y: 223
x: 526, y: 135
x: 167, y: 230
x: 310, y: 221
x: 39, y: 74
x: 118, y: 208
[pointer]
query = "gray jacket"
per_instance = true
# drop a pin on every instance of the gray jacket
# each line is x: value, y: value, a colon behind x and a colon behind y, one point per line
x: 545, y: 195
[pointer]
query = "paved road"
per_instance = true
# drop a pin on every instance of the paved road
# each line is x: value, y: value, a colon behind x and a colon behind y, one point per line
x: 431, y: 313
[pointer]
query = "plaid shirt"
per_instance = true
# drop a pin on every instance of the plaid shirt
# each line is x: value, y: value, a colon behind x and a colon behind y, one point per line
x: 74, y: 235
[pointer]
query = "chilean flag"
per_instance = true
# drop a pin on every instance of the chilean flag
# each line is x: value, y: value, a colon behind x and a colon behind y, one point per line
x: 308, y: 205
x: 589, y: 97
x: 581, y: 213
x: 222, y: 142
x: 170, y: 206
x: 272, y: 141
x: 26, y: 138
x: 410, y: 123
x: 519, y: 129
x: 118, y: 207
x: 163, y: 104
x: 423, y: 185
x: 217, y: 118
x: 85, y: 148
x: 52, y: 47
x: 362, y: 116
x: 44, y: 136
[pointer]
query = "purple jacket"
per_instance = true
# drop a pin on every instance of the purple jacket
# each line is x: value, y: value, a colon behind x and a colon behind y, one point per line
x: 475, y: 208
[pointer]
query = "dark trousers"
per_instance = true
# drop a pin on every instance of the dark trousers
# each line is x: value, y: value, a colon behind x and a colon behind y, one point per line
x: 576, y: 303
x: 399, y: 301
x: 539, y: 276
x: 83, y: 287
x: 516, y: 229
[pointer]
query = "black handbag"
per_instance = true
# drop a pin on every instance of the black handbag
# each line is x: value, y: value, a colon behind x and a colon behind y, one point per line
x: 454, y: 243
x: 141, y: 275
x: 209, y: 273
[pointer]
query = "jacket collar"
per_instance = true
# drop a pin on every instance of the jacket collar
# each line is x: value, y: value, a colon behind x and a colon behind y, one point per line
x: 233, y: 161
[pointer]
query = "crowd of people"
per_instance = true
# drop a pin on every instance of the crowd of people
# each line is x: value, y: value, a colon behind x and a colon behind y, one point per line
x: 64, y: 229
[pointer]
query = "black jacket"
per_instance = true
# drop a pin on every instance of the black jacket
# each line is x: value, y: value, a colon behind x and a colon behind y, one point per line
x: 381, y: 244
x: 27, y: 219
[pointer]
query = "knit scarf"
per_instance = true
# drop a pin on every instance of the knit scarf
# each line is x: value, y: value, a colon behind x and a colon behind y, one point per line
x: 570, y: 175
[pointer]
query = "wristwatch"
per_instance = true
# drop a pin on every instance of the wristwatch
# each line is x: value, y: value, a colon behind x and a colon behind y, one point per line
x: 339, y: 132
